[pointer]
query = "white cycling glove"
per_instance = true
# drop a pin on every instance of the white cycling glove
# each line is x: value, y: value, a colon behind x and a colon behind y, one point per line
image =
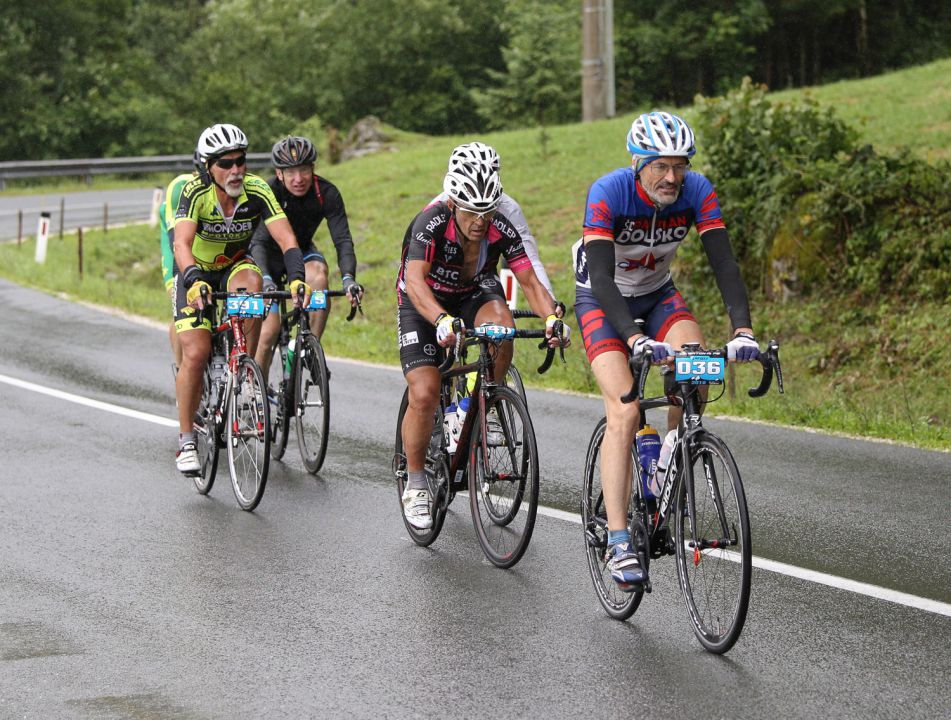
x: 659, y: 351
x: 444, y: 331
x: 565, y: 330
x: 742, y: 348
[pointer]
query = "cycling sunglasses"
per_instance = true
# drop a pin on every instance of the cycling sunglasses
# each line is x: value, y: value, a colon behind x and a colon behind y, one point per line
x: 227, y: 164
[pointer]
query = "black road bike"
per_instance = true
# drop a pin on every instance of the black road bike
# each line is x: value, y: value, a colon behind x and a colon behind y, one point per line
x: 700, y: 513
x: 300, y: 379
x: 496, y: 458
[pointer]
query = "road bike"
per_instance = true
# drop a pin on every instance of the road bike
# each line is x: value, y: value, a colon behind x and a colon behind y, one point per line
x: 300, y: 380
x: 699, y: 514
x: 496, y: 457
x: 232, y: 412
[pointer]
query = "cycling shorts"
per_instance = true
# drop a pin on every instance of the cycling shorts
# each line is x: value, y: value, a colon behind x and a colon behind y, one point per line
x: 417, y: 335
x: 183, y: 314
x: 270, y: 258
x: 659, y: 310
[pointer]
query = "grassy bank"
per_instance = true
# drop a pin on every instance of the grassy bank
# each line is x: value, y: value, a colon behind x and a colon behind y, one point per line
x: 879, y: 372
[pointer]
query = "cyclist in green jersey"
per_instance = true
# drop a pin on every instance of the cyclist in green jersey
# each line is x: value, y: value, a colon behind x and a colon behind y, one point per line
x: 166, y: 218
x: 216, y: 217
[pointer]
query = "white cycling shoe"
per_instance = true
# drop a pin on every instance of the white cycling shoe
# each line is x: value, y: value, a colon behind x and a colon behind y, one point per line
x: 416, y: 508
x: 186, y: 459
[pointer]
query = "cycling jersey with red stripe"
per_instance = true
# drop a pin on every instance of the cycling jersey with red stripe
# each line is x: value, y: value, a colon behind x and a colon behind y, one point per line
x: 645, y: 238
x: 434, y: 238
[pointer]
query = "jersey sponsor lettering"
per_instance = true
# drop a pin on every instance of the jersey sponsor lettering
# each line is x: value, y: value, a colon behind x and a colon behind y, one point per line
x: 645, y: 238
x: 431, y: 238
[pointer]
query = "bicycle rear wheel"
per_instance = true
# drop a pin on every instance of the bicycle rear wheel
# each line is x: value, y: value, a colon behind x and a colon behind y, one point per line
x: 594, y: 519
x: 280, y: 401
x: 503, y: 478
x: 513, y: 379
x: 312, y: 407
x: 207, y: 436
x: 249, y: 434
x: 714, y: 557
x: 436, y: 474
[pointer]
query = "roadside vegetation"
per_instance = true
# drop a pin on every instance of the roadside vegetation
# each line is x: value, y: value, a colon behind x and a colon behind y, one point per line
x: 842, y: 235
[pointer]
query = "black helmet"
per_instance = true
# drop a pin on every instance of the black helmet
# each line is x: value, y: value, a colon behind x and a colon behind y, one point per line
x: 292, y: 151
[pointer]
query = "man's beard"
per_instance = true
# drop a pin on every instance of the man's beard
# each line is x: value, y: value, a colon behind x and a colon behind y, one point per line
x: 660, y: 203
x: 236, y: 189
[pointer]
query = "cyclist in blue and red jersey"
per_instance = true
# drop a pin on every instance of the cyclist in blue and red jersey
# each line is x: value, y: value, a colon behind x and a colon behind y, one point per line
x: 448, y: 271
x: 635, y: 219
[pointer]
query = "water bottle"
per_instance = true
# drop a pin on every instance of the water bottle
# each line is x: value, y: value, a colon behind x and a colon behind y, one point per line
x: 648, y: 451
x: 449, y: 426
x: 663, y: 461
x: 461, y: 409
x: 289, y: 359
x: 218, y: 363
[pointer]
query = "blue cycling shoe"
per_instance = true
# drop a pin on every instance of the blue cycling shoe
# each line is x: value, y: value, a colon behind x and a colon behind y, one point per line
x: 625, y: 568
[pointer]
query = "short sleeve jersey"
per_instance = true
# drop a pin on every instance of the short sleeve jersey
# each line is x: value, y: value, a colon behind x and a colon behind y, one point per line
x: 645, y: 238
x: 221, y: 241
x: 434, y: 238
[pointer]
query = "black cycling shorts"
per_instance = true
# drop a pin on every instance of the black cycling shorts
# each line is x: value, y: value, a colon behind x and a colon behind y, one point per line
x: 417, y: 336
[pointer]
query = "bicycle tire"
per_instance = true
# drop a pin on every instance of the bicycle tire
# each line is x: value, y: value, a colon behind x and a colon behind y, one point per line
x: 715, y: 581
x: 311, y: 401
x: 207, y: 437
x: 249, y: 434
x: 617, y: 603
x: 281, y: 405
x: 436, y: 472
x: 503, y: 479
x: 513, y: 379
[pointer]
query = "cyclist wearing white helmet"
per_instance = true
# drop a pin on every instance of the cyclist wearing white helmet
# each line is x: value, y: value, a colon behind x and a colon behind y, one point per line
x: 216, y: 216
x: 635, y: 219
x: 450, y: 253
x: 480, y: 152
x: 307, y: 199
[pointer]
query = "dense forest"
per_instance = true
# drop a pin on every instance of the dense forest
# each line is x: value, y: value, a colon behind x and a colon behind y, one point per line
x: 91, y: 78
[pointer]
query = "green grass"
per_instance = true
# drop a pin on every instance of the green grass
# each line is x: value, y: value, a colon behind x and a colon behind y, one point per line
x: 910, y: 108
x: 869, y: 372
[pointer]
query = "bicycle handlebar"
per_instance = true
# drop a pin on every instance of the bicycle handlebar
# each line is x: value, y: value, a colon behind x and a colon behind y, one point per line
x: 640, y: 367
x: 496, y: 334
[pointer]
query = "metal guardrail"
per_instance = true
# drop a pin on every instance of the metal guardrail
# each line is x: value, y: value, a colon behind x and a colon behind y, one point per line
x: 118, y: 166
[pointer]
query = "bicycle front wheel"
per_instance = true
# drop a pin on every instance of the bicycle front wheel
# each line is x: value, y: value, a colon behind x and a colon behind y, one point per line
x: 594, y: 519
x: 249, y: 434
x: 207, y: 436
x: 712, y: 537
x: 312, y: 406
x: 503, y: 478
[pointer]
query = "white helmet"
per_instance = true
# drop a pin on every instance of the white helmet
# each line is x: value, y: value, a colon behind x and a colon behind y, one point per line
x: 475, y: 152
x: 473, y: 184
x: 655, y: 134
x: 218, y: 140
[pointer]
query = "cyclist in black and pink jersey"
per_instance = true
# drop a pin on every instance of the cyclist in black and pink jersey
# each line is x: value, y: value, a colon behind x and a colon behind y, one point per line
x: 635, y: 219
x: 451, y: 250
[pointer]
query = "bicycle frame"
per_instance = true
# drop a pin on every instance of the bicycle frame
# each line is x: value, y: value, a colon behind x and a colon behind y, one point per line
x: 484, y: 368
x: 680, y: 469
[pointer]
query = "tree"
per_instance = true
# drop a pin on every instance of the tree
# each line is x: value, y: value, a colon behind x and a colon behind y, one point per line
x: 541, y: 81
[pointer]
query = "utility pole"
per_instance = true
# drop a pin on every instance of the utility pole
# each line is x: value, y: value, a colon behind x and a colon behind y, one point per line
x: 597, y: 60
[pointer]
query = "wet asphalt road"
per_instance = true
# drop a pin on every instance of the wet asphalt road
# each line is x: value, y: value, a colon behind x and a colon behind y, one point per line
x: 123, y: 593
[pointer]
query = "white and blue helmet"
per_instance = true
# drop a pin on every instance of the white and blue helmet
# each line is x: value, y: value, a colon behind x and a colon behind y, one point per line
x: 657, y: 134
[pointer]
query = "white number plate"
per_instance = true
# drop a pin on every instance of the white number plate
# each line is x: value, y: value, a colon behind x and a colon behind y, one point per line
x: 246, y: 306
x: 700, y: 369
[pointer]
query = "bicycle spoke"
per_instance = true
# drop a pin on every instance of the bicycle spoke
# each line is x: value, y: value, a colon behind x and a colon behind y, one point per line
x: 714, y: 556
x: 248, y: 435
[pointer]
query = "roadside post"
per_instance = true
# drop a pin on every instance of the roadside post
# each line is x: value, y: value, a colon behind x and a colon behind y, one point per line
x: 42, y: 237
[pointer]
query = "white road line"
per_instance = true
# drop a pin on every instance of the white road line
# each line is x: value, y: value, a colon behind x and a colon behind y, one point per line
x: 920, y: 603
x: 80, y: 400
